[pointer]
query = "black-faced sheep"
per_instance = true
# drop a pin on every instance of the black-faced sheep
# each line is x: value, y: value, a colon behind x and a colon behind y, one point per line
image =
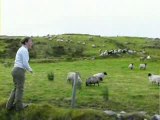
x: 154, y: 78
x: 71, y: 77
x: 131, y: 66
x: 143, y: 66
x: 92, y: 80
x: 100, y: 76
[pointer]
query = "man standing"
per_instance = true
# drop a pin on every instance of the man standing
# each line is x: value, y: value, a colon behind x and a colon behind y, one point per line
x: 18, y: 73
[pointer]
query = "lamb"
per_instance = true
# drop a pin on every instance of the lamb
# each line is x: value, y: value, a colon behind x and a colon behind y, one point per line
x: 71, y: 77
x: 100, y: 76
x: 143, y: 66
x: 131, y: 66
x: 148, y: 57
x: 92, y: 80
x: 154, y: 78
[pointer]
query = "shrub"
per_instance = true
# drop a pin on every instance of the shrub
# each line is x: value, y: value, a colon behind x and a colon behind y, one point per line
x: 58, y: 51
x: 7, y: 64
x: 33, y: 53
x: 106, y: 94
x: 78, y: 51
x: 69, y: 59
x: 50, y: 76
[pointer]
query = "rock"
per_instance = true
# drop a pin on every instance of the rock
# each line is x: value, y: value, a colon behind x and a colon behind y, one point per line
x: 110, y: 112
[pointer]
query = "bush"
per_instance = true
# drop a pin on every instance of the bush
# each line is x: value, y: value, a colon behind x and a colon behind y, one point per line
x: 58, y: 51
x: 106, y: 94
x: 7, y: 64
x: 33, y: 53
x: 69, y: 59
x: 51, y: 76
x: 78, y: 51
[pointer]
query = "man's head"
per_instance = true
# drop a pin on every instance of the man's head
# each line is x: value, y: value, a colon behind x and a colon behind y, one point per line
x: 27, y: 41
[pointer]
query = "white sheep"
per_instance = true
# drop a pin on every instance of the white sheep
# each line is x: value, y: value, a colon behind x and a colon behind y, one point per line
x: 71, y: 77
x: 143, y: 66
x: 148, y: 57
x: 131, y: 66
x: 100, y: 76
x: 154, y: 78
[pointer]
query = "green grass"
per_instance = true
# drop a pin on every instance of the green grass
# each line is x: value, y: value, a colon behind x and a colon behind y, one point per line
x: 128, y: 90
x: 48, y: 112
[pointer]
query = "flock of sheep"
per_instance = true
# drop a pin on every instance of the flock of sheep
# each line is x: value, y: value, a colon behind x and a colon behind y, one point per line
x: 97, y: 78
x: 141, y: 66
x: 154, y: 79
x: 94, y: 79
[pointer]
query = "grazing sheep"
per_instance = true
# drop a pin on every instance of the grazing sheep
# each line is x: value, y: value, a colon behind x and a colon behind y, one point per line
x: 100, y: 76
x: 148, y: 57
x: 154, y: 78
x: 142, y: 58
x: 143, y: 66
x: 92, y: 80
x: 131, y: 66
x: 71, y: 77
x: 93, y: 46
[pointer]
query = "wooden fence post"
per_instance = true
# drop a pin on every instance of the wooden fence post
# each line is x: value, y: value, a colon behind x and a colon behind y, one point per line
x: 73, y: 102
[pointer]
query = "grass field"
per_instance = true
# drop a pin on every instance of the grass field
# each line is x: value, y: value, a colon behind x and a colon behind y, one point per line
x: 128, y: 90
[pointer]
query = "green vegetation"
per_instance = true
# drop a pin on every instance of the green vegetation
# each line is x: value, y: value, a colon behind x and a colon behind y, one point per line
x: 48, y: 112
x: 79, y: 46
x: 122, y: 89
x: 50, y: 76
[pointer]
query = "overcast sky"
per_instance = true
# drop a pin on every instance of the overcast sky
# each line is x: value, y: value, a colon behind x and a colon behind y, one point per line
x: 100, y: 17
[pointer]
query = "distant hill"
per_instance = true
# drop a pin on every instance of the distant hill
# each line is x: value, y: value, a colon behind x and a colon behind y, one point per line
x: 82, y: 45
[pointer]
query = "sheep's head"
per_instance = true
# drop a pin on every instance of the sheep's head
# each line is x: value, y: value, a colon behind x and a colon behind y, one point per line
x: 104, y: 73
x: 149, y: 74
x: 87, y: 83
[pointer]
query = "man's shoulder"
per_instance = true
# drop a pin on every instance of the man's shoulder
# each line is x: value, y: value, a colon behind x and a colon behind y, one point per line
x: 22, y: 49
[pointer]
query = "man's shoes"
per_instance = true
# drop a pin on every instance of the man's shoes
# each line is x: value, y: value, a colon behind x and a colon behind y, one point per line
x: 22, y: 108
x: 10, y: 108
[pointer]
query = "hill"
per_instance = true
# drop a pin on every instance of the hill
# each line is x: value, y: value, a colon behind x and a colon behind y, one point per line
x: 68, y: 46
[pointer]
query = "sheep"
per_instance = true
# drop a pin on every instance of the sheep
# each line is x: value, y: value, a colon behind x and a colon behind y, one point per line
x: 148, y: 57
x: 71, y: 77
x: 143, y: 66
x: 100, y: 76
x: 92, y: 80
x: 154, y: 78
x: 131, y: 66
x: 93, y: 46
x: 142, y: 58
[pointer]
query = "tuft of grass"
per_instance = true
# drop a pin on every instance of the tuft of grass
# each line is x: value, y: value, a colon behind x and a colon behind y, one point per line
x: 106, y: 94
x: 50, y: 76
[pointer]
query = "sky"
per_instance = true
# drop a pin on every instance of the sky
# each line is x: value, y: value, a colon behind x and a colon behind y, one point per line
x: 97, y: 17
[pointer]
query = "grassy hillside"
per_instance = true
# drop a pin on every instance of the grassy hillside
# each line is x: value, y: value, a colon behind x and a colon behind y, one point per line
x: 79, y: 46
x: 129, y: 91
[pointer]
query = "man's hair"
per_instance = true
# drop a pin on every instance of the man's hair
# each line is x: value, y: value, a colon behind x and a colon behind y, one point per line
x: 24, y: 40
